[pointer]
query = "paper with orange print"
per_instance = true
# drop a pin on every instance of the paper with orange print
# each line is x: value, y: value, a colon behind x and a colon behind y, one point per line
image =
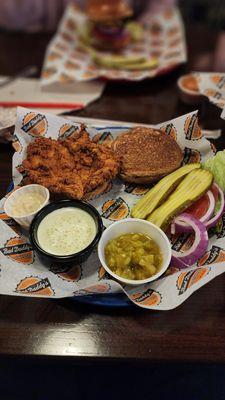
x: 21, y: 272
x: 212, y: 85
x: 66, y: 61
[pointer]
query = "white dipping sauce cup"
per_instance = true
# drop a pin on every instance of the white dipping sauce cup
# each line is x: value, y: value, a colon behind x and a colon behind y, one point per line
x: 26, y: 218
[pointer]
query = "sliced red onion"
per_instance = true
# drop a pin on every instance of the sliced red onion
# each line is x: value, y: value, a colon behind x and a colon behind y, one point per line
x: 177, y: 262
x: 213, y: 221
x: 181, y: 226
x: 199, y: 245
x: 114, y: 34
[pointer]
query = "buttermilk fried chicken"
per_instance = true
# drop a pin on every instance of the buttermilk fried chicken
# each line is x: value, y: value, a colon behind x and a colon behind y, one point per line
x: 73, y: 167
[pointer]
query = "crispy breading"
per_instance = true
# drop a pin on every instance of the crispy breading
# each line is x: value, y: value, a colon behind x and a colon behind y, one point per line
x: 73, y: 167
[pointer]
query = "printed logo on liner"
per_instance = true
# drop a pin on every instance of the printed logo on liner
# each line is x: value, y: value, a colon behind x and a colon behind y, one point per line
x: 219, y: 81
x: 70, y: 274
x: 191, y: 156
x: 172, y: 54
x: 103, y: 138
x: 61, y: 46
x: 220, y: 228
x: 10, y: 222
x: 49, y: 72
x: 213, y: 93
x: 173, y: 31
x: 70, y: 24
x: 64, y: 78
x: 215, y: 255
x: 17, y: 249
x: 191, y: 128
x: 71, y: 65
x: 97, y: 288
x: 115, y: 210
x: 182, y: 241
x: 149, y: 298
x: 16, y: 144
x: 67, y: 37
x: 136, y: 190
x: 102, y: 273
x: 35, y: 286
x: 171, y: 270
x: 187, y: 279
x: 67, y: 130
x: 175, y: 42
x: 170, y: 131
x: 35, y: 124
x: 53, y: 56
x: 213, y: 147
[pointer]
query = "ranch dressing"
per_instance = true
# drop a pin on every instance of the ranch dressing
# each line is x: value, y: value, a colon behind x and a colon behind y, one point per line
x: 66, y: 231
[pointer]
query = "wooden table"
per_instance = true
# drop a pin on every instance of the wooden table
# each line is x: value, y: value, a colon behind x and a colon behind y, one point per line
x: 193, y: 332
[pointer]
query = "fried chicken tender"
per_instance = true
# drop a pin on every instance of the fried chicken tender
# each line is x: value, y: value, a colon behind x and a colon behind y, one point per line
x: 73, y: 167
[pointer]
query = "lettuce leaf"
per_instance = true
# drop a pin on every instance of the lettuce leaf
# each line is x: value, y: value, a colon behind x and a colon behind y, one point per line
x: 216, y: 165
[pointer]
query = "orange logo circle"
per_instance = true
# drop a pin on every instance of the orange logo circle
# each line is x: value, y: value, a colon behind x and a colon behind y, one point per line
x: 214, y: 256
x: 105, y: 138
x: 70, y: 24
x: 102, y: 274
x: 114, y: 210
x: 73, y: 274
x: 35, y: 286
x: 10, y: 222
x: 96, y: 288
x: 136, y: 190
x: 49, y: 72
x: 191, y: 156
x: 35, y: 124
x: 64, y: 78
x: 67, y: 37
x: 71, y: 65
x: 17, y: 249
x: 67, y: 130
x: 52, y: 57
x: 16, y: 144
x: 170, y: 130
x: 148, y: 298
x: 191, y: 128
x: 187, y: 279
x: 218, y: 80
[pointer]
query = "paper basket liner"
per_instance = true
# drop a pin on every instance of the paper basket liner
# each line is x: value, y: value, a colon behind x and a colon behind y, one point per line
x: 22, y: 273
x: 66, y: 61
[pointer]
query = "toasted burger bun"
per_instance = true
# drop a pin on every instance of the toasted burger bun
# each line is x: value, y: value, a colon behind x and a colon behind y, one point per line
x: 107, y: 10
x: 146, y: 155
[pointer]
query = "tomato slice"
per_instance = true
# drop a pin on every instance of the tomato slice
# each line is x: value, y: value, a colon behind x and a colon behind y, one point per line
x: 199, y: 208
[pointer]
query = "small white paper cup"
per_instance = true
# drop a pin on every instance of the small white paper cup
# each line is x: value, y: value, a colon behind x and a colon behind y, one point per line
x: 26, y: 218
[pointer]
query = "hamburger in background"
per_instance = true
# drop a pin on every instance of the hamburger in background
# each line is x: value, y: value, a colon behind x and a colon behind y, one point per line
x: 108, y: 24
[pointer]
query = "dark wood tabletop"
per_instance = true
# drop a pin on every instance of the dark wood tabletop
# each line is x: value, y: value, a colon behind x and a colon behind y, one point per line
x: 195, y: 331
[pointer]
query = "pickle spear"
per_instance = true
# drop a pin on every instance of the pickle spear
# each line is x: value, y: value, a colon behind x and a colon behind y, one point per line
x: 193, y: 186
x: 160, y: 191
